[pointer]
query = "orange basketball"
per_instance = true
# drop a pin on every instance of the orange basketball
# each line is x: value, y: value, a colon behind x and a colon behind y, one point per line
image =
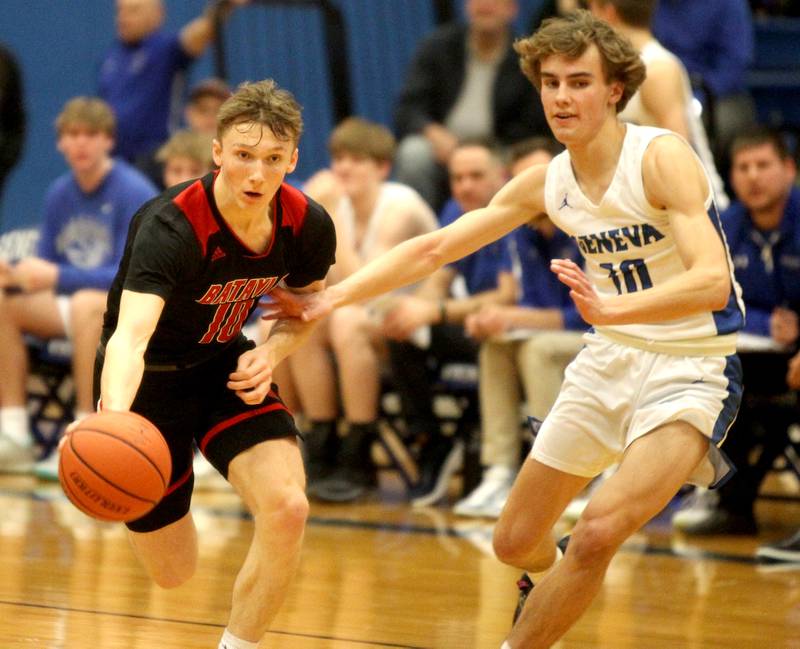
x: 114, y: 466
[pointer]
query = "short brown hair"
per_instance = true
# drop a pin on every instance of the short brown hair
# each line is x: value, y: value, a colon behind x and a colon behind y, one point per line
x: 636, y: 13
x: 262, y: 102
x: 571, y: 36
x: 188, y: 144
x: 758, y: 135
x: 362, y: 137
x: 91, y: 112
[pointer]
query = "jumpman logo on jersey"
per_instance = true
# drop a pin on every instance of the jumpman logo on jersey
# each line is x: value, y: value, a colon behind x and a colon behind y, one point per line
x: 218, y: 254
x: 564, y: 203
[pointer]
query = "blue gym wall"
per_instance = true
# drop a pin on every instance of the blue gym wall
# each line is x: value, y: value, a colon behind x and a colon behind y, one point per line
x: 59, y: 44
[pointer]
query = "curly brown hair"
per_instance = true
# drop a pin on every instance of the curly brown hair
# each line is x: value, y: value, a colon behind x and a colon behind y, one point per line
x: 571, y: 36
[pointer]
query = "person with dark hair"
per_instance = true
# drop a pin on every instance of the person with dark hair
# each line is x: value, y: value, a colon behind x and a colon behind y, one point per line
x: 426, y: 329
x: 658, y: 382
x: 524, y: 347
x: 464, y: 81
x: 763, y: 231
x: 12, y: 114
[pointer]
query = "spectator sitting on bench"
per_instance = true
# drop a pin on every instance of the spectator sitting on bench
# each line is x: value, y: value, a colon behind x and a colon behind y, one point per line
x: 426, y: 329
x: 61, y: 292
x: 371, y: 215
x: 762, y: 228
x: 525, y: 348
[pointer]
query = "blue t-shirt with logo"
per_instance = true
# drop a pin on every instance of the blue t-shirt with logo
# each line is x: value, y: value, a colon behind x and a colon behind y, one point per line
x: 84, y: 234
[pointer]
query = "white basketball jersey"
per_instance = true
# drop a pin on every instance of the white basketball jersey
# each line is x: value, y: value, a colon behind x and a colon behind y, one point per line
x: 629, y: 246
x: 636, y: 113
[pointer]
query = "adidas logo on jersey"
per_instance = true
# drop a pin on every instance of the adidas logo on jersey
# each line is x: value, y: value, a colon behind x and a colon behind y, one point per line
x: 218, y: 254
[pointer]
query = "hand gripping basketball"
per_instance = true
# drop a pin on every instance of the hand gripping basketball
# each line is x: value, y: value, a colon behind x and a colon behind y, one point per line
x: 114, y: 465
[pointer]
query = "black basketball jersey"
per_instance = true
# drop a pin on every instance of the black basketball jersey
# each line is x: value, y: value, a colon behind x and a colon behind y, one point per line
x: 180, y: 248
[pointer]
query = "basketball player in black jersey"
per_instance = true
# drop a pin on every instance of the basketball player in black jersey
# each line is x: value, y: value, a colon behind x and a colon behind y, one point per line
x: 196, y: 262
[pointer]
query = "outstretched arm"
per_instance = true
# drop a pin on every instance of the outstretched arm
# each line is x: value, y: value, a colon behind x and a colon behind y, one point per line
x: 520, y: 201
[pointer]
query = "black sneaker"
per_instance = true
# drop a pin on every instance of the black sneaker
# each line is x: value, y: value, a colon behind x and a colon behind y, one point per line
x: 525, y: 586
x: 439, y: 460
x: 320, y: 447
x: 720, y: 521
x: 354, y: 474
x: 784, y: 551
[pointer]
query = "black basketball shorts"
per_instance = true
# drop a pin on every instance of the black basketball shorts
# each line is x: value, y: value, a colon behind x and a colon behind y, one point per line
x: 195, y: 404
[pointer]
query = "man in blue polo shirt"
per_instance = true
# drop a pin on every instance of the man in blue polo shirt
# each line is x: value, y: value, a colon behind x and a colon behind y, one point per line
x: 138, y: 73
x: 426, y: 329
x: 525, y: 347
x: 763, y: 232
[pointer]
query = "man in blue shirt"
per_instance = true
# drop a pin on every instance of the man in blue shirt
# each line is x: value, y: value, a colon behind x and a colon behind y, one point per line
x: 138, y: 73
x: 524, y: 347
x: 61, y: 291
x: 763, y: 232
x: 426, y: 329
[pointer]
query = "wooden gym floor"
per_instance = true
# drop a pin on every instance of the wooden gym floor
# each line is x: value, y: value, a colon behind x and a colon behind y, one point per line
x: 378, y: 574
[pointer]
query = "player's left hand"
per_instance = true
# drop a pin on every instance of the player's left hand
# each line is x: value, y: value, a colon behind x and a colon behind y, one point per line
x: 253, y: 377
x: 588, y: 302
x: 783, y: 326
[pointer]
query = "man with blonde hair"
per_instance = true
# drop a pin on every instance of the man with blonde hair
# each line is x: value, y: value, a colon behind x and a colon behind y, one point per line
x: 61, y: 291
x: 197, y: 260
x: 658, y: 383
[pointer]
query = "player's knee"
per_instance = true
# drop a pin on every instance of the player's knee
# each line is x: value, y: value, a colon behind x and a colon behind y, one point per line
x: 596, y: 539
x: 175, y: 573
x: 286, y: 510
x: 87, y: 305
x: 516, y: 549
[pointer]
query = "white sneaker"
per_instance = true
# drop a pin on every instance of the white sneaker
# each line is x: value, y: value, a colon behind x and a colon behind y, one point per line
x: 15, y: 458
x: 47, y: 468
x: 696, y: 508
x: 488, y: 498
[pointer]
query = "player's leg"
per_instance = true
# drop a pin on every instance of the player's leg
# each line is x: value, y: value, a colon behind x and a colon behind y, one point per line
x: 168, y: 554
x: 523, y: 534
x: 31, y: 313
x: 315, y: 375
x: 270, y: 479
x: 653, y: 469
x: 353, y: 339
x: 35, y: 313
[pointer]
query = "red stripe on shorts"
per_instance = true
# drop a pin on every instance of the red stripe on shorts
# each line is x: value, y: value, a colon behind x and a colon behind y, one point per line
x: 211, y: 434
x: 180, y: 481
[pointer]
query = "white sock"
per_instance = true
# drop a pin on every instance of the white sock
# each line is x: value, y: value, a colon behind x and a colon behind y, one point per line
x: 230, y: 641
x: 506, y: 645
x: 15, y: 425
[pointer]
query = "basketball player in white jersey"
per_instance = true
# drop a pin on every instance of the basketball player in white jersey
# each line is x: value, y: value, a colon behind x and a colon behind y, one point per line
x: 658, y: 383
x: 665, y: 98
